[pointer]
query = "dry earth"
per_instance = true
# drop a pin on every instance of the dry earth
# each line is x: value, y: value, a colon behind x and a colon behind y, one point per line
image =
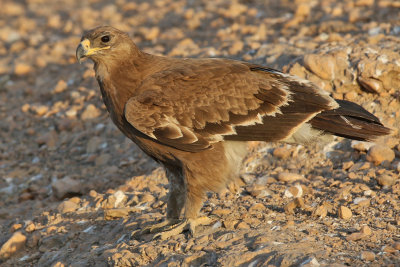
x: 73, y: 189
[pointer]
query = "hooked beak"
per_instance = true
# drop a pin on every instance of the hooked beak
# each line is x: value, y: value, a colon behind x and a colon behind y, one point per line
x: 84, y: 50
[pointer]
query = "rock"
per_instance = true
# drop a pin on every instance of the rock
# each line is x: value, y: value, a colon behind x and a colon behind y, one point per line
x: 67, y: 206
x: 309, y: 262
x: 111, y: 214
x: 379, y: 153
x: 236, y: 48
x: 320, y: 211
x: 344, y: 213
x: 281, y: 152
x: 22, y: 69
x: 14, y: 244
x: 367, y: 256
x: 386, y: 180
x: 259, y: 190
x: 15, y: 227
x: 288, y: 177
x: 66, y: 186
x: 294, y: 191
x: 322, y: 66
x: 30, y: 227
x: 361, y: 146
x: 366, y: 230
x: 292, y: 205
x: 370, y: 85
x: 90, y: 112
x: 60, y: 86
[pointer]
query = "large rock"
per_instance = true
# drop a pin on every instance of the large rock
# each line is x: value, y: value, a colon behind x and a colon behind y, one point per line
x: 379, y: 153
x: 12, y: 245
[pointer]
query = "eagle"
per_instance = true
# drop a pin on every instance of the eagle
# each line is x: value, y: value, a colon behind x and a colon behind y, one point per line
x: 195, y: 116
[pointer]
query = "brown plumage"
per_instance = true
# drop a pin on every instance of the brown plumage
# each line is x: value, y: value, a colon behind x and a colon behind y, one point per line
x: 194, y: 116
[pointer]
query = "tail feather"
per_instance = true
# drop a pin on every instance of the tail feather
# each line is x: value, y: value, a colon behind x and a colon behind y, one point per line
x: 350, y: 121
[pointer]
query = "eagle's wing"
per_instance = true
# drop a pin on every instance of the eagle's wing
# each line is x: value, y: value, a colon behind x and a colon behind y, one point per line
x: 200, y: 102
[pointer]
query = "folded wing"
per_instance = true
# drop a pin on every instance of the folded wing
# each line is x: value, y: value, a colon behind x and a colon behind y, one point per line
x: 200, y: 102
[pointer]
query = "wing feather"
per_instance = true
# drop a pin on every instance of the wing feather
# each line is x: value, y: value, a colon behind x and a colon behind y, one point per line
x: 200, y: 102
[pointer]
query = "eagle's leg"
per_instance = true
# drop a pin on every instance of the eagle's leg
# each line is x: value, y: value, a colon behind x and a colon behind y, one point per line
x: 176, y: 201
x: 191, y: 220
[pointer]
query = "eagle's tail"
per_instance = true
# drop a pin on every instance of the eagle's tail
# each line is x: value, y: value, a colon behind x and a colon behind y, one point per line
x: 350, y: 121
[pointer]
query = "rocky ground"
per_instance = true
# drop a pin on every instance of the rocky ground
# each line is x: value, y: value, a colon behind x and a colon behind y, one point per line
x: 73, y: 189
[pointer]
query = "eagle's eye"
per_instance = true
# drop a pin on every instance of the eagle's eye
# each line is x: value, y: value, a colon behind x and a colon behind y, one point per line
x: 105, y: 38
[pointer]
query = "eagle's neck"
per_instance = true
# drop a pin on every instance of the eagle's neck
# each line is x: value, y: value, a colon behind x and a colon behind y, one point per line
x: 119, y: 80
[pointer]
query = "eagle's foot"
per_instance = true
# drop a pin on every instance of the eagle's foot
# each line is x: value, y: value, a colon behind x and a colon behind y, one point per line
x: 187, y: 224
x: 159, y: 227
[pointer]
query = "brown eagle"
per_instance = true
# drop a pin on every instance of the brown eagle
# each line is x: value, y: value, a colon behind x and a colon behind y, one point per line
x: 195, y: 116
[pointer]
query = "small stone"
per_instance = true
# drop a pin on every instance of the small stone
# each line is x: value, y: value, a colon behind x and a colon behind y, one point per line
x: 281, y: 152
x: 111, y: 214
x: 389, y: 249
x: 60, y: 86
x: 67, y: 206
x: 66, y: 186
x: 40, y: 110
x: 289, y: 177
x: 379, y: 153
x: 257, y: 207
x: 386, y: 180
x: 322, y: 66
x: 259, y: 191
x: 303, y: 10
x: 370, y: 85
x: 30, y: 227
x: 368, y: 256
x: 320, y: 211
x: 15, y: 227
x: 344, y: 213
x: 347, y: 165
x: 236, y: 48
x: 242, y: 225
x: 90, y: 112
x: 294, y: 191
x: 361, y: 146
x: 15, y: 243
x: 366, y: 230
x: 22, y: 69
x: 355, y: 236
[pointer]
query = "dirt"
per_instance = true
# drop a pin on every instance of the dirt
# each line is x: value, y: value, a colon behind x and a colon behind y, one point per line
x: 74, y: 191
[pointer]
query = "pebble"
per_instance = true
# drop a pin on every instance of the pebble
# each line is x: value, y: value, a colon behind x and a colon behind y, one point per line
x: 289, y: 177
x: 361, y: 146
x: 66, y: 186
x: 67, y: 206
x: 320, y: 211
x: 14, y: 244
x: 367, y: 256
x: 22, y: 69
x: 379, y: 153
x: 370, y: 85
x: 344, y: 213
x: 61, y: 86
x: 386, y: 180
x: 294, y: 191
x: 90, y: 112
x: 281, y: 152
x: 322, y: 66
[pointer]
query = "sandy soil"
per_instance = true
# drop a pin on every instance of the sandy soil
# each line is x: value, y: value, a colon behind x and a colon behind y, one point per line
x: 73, y: 189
